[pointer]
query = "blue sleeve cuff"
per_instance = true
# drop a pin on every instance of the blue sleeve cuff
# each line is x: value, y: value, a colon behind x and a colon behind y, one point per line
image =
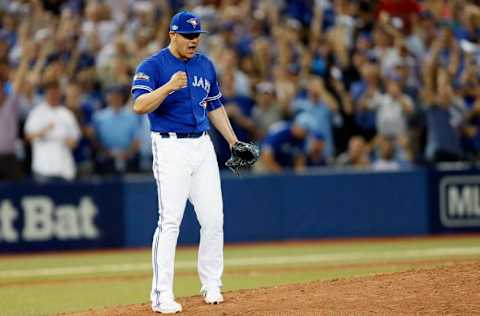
x: 213, y: 105
x: 136, y: 92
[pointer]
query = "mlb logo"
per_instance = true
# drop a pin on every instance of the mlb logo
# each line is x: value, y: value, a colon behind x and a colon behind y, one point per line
x: 460, y: 201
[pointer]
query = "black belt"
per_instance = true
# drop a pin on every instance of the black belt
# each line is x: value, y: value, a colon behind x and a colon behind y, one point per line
x: 183, y: 135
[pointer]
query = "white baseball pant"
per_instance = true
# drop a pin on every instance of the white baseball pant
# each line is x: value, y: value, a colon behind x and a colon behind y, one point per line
x: 186, y: 168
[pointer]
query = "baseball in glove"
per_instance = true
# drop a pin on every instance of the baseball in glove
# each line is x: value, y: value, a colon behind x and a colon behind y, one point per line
x: 243, y: 155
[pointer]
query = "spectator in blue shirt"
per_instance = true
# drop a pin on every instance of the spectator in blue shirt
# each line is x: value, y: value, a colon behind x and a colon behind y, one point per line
x: 362, y: 92
x: 321, y: 108
x: 283, y: 147
x: 445, y: 117
x: 117, y: 131
x: 290, y: 145
x: 145, y: 151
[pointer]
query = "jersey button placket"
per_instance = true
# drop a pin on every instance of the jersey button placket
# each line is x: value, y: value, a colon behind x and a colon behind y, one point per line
x: 189, y: 87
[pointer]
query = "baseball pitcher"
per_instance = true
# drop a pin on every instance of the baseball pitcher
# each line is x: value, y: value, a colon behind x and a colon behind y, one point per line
x: 178, y: 89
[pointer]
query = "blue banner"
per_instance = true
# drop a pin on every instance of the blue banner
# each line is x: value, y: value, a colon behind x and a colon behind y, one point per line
x: 57, y: 216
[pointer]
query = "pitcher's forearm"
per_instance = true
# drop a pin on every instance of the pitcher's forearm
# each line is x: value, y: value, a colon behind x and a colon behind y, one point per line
x: 149, y: 102
x: 220, y: 120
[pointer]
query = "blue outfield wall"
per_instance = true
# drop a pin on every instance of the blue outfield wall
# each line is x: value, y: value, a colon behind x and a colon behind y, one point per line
x: 295, y: 207
x: 123, y: 213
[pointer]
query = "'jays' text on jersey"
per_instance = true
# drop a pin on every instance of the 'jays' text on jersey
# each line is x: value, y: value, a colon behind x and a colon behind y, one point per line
x: 184, y: 110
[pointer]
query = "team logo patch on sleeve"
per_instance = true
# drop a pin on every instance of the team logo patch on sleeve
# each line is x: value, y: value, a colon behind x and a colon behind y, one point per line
x: 141, y: 76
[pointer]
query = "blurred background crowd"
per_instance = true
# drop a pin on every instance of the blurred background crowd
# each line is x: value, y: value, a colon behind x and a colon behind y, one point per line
x: 381, y: 85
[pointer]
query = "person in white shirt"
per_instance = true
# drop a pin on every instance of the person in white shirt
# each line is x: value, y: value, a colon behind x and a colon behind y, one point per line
x: 393, y: 109
x: 53, y: 132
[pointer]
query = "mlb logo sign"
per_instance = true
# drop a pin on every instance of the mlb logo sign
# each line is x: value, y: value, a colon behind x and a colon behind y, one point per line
x: 460, y: 201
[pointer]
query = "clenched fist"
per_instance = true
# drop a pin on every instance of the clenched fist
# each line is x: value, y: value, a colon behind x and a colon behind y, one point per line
x: 178, y: 80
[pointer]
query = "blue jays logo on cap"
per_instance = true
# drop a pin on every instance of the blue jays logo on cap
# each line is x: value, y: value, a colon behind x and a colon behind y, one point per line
x: 193, y: 22
x: 186, y: 22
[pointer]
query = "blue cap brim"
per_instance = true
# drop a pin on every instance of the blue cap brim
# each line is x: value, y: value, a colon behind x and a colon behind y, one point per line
x: 189, y: 32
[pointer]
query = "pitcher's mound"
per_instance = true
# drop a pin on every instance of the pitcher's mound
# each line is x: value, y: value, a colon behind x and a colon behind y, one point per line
x: 452, y: 289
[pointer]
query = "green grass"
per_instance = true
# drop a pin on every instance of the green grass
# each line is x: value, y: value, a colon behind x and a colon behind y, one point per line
x: 50, y: 284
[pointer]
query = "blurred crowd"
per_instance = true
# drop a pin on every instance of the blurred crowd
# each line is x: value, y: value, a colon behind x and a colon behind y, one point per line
x: 381, y: 85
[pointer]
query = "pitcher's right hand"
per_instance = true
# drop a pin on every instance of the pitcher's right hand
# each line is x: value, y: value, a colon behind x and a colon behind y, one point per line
x: 178, y: 80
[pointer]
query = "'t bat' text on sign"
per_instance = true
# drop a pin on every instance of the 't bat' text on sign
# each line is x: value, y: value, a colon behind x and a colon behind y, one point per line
x: 43, y: 220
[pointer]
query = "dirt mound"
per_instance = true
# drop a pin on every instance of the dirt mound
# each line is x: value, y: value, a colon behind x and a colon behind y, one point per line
x: 451, y: 289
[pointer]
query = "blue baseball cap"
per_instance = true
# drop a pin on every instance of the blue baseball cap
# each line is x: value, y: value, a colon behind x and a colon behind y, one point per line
x: 317, y: 135
x: 185, y: 23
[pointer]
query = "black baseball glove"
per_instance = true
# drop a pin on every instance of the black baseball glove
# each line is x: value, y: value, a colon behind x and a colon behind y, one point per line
x: 243, y: 155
